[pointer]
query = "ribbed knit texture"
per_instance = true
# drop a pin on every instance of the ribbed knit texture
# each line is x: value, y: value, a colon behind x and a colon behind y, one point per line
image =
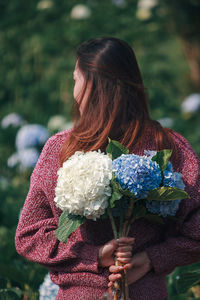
x: 73, y: 266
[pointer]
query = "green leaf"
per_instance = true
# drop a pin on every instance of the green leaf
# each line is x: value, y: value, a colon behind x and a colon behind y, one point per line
x: 139, y: 211
x: 67, y: 225
x: 10, y: 272
x: 167, y: 194
x: 115, y: 149
x: 188, y: 276
x: 162, y: 158
x: 154, y: 218
x: 116, y: 194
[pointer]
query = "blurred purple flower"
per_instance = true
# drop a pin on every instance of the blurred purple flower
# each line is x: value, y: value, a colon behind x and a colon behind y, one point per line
x: 119, y: 2
x: 31, y: 135
x: 25, y: 158
x: 13, y: 120
x: 48, y: 290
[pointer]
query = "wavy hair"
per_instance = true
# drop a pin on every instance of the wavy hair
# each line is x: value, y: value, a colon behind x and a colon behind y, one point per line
x: 116, y: 104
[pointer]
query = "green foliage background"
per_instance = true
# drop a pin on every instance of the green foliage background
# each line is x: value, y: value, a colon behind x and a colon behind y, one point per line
x: 37, y: 49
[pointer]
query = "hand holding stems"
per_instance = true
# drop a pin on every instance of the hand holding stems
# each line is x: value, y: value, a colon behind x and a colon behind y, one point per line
x: 138, y: 266
x: 120, y: 248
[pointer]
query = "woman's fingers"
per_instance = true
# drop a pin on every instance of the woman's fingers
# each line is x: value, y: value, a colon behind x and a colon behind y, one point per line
x: 128, y: 266
x: 124, y: 260
x: 123, y: 254
x: 116, y: 269
x: 114, y: 277
x: 125, y: 240
x: 125, y: 248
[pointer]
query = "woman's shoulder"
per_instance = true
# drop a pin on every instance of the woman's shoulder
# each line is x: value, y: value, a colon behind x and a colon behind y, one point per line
x: 187, y: 161
x: 50, y: 155
x: 180, y: 141
x: 55, y: 141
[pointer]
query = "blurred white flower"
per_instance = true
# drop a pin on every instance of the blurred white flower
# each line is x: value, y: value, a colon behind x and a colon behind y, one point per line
x: 143, y: 14
x: 56, y: 123
x: 144, y: 8
x: 80, y: 12
x: 48, y: 290
x: 166, y: 122
x: 147, y: 4
x: 83, y: 185
x: 13, y: 120
x: 44, y: 4
x: 25, y: 158
x: 67, y: 125
x: 191, y: 103
x: 31, y: 135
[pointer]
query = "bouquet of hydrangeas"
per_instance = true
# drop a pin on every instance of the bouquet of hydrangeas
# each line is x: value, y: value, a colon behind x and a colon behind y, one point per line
x: 95, y: 185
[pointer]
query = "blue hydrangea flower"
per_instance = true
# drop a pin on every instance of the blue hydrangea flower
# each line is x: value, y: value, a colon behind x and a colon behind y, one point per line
x: 173, y: 179
x: 116, y: 209
x: 163, y: 208
x: 150, y: 153
x: 31, y: 135
x: 25, y: 158
x: 138, y: 174
x: 13, y: 120
x: 167, y: 208
x: 48, y: 290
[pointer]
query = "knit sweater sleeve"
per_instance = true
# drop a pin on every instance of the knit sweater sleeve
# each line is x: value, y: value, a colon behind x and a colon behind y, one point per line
x: 182, y: 247
x: 35, y: 238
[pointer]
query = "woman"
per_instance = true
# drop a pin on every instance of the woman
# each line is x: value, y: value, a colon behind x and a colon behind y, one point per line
x: 111, y: 99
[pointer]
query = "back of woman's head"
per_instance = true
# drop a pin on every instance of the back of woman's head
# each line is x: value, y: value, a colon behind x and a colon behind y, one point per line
x: 115, y: 103
x: 113, y: 79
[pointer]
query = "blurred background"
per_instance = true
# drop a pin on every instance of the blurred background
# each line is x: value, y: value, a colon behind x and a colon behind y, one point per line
x: 38, y: 42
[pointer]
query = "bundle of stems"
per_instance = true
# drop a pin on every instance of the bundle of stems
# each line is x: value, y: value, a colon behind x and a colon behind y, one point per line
x: 120, y: 290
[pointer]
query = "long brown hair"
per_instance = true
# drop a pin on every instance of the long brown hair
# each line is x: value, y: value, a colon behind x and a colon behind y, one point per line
x: 116, y: 104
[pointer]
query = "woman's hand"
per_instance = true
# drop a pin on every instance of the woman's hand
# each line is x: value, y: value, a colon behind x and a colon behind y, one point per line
x: 121, y: 248
x: 139, y: 265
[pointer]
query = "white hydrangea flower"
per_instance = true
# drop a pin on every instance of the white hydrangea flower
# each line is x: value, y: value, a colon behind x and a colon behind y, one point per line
x: 83, y: 186
x: 56, y: 122
x: 147, y: 4
x: 144, y: 9
x: 44, y: 4
x: 166, y: 122
x: 191, y: 103
x: 80, y: 12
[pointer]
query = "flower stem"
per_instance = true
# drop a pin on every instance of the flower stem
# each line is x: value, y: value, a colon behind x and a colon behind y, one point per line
x: 112, y: 221
x: 127, y: 219
x: 121, y: 218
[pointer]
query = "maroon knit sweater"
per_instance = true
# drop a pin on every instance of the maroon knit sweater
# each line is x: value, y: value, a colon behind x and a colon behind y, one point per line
x: 73, y: 266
